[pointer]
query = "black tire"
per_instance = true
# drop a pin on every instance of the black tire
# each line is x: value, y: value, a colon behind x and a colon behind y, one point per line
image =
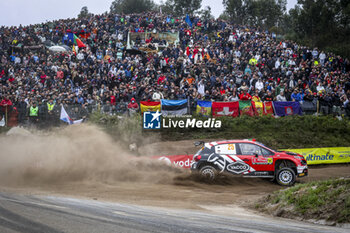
x: 285, y: 176
x: 208, y: 172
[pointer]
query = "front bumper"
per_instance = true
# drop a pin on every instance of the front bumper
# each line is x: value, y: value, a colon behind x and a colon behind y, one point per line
x: 302, y: 171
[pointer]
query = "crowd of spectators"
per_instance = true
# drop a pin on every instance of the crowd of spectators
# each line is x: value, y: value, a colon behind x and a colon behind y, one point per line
x: 214, y: 60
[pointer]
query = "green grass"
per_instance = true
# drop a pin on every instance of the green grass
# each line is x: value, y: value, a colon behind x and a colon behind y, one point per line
x: 328, y: 200
x: 284, y: 132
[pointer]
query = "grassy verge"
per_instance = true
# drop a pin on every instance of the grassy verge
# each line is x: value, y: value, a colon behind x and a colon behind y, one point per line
x: 286, y: 132
x: 321, y: 200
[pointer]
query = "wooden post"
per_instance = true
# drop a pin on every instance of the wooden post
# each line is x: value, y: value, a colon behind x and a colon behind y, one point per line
x: 6, y: 115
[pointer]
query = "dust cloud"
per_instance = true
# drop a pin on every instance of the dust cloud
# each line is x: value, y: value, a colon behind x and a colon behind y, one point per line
x: 74, y: 153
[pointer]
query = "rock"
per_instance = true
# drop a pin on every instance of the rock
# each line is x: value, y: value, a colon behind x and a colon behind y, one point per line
x: 279, y: 212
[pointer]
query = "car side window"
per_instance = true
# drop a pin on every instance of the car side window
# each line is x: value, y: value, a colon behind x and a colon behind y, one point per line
x: 228, y: 149
x: 265, y: 152
x: 249, y: 149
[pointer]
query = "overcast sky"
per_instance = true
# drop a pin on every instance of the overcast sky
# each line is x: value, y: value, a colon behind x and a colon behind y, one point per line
x: 16, y: 12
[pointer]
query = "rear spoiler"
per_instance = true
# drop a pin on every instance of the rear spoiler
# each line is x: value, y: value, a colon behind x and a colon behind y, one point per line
x: 198, y: 143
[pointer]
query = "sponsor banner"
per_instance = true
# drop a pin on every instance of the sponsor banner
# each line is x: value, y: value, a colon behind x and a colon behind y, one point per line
x: 287, y: 108
x: 183, y: 161
x: 324, y: 155
x: 225, y: 109
x: 150, y: 106
x: 174, y: 107
x: 203, y: 108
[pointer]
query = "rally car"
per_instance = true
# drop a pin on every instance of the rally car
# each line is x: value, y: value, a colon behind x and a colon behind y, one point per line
x: 248, y: 158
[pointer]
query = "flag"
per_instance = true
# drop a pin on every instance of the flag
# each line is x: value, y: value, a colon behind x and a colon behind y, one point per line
x: 2, y: 121
x: 246, y: 108
x: 173, y: 107
x: 70, y: 36
x: 225, y: 109
x: 268, y: 108
x: 188, y: 51
x: 84, y: 34
x: 287, y: 108
x: 150, y: 106
x: 74, y: 51
x: 258, y: 108
x: 65, y: 117
x: 188, y: 20
x: 204, y: 108
x: 78, y: 42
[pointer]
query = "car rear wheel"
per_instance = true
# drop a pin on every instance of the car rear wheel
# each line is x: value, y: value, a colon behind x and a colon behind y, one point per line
x: 208, y: 172
x: 286, y: 176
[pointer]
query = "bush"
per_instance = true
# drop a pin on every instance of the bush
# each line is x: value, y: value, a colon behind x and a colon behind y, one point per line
x: 284, y: 132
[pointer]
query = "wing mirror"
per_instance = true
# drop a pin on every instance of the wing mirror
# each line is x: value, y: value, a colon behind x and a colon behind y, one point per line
x: 256, y: 155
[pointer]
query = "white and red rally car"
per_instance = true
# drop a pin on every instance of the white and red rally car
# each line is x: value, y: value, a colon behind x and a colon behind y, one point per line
x: 248, y: 158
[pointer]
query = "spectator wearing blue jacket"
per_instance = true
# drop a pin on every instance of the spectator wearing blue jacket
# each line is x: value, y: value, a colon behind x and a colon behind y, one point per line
x: 296, y: 96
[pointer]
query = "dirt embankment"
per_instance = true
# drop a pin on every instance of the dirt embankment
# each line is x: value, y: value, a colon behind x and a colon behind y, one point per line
x: 83, y: 161
x: 326, y: 202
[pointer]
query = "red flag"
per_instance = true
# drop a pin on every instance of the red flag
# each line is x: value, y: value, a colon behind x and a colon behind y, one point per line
x: 78, y: 42
x: 188, y: 51
x: 225, y: 109
x: 84, y: 34
x: 268, y: 108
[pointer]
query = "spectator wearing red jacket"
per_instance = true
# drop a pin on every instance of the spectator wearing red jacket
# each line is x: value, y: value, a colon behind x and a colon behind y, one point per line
x: 245, y: 95
x: 5, y: 104
x: 133, y: 105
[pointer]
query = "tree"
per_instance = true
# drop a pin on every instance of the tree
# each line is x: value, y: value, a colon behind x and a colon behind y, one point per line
x: 206, y: 13
x: 131, y: 6
x: 235, y: 9
x: 167, y: 8
x: 224, y: 16
x: 323, y: 23
x: 182, y: 7
x: 263, y: 13
x: 84, y: 12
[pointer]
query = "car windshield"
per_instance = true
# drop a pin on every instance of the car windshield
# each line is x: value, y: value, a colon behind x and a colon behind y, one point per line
x: 260, y: 144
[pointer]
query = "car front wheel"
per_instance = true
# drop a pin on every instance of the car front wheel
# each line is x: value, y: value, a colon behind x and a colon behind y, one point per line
x: 208, y: 172
x: 285, y: 176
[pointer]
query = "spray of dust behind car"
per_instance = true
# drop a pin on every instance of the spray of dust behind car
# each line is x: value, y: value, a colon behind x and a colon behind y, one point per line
x: 248, y: 158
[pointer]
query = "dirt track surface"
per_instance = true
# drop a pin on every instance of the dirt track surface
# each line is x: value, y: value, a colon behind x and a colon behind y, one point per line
x: 36, y: 214
x: 84, y: 162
